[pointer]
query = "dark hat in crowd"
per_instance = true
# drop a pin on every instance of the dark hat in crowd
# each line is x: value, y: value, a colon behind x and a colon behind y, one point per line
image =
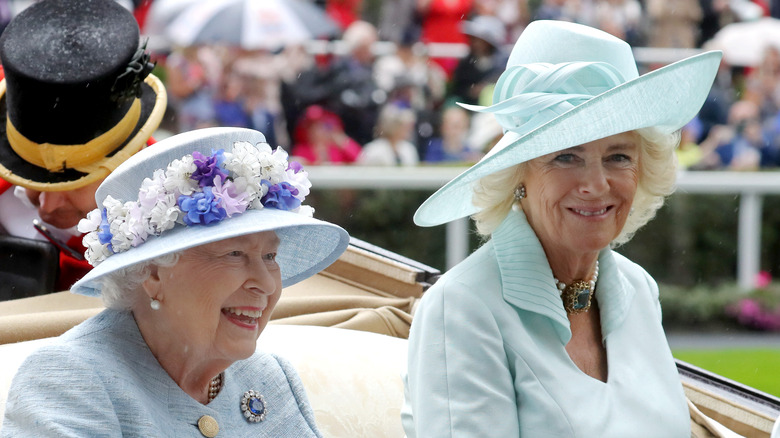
x: 78, y: 97
x: 486, y: 27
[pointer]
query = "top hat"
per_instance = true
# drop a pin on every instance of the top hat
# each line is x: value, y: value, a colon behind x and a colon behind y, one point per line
x: 77, y: 98
x: 566, y: 84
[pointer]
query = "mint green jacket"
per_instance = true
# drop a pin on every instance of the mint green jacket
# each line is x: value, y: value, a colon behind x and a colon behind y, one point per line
x: 487, y: 352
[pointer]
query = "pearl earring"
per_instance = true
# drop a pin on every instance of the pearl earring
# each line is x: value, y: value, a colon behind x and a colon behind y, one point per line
x: 520, y: 192
x: 155, y: 305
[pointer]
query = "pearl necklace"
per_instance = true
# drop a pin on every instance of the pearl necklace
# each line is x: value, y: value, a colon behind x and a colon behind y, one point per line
x: 578, y: 295
x: 215, y: 386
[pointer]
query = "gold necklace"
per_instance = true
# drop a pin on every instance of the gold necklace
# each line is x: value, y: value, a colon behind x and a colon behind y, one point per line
x: 578, y: 295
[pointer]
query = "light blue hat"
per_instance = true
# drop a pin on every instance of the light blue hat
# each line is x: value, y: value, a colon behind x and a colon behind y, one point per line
x: 200, y: 187
x: 565, y: 85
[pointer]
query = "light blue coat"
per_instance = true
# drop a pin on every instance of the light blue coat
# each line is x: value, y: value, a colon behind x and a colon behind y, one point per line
x: 487, y: 352
x: 101, y: 380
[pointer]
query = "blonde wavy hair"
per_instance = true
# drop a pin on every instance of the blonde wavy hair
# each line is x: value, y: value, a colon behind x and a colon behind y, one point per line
x: 494, y: 194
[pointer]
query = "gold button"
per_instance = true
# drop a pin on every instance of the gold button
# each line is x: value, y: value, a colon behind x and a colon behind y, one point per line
x: 208, y: 426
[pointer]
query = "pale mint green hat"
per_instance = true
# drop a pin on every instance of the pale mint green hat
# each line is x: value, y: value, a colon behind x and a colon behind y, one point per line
x: 565, y: 85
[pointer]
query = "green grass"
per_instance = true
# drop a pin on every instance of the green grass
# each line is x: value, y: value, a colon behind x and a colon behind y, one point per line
x: 752, y: 367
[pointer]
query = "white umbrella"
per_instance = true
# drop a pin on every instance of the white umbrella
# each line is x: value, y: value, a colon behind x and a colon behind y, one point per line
x: 251, y: 24
x: 745, y: 43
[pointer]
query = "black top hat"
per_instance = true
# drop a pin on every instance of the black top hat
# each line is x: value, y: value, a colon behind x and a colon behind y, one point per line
x: 77, y: 98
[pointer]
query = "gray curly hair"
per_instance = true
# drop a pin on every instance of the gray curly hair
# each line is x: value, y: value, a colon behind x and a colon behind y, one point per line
x: 494, y: 194
x: 121, y: 289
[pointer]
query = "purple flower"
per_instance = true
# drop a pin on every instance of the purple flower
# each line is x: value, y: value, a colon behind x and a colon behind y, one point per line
x: 201, y: 208
x: 208, y: 167
x: 104, y: 233
x: 281, y: 196
x: 294, y: 166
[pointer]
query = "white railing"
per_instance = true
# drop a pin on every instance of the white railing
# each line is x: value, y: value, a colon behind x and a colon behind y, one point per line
x: 749, y: 186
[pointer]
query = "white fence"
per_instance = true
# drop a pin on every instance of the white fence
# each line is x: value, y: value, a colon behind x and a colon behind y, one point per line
x: 749, y: 186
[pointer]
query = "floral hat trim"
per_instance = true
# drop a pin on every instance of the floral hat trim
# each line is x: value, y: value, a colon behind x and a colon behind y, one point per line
x: 197, y: 190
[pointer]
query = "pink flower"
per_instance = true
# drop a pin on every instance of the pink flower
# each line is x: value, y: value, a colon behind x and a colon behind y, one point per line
x: 230, y: 200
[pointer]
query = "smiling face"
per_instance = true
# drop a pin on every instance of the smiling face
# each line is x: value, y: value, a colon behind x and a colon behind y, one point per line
x: 578, y: 199
x: 218, y: 297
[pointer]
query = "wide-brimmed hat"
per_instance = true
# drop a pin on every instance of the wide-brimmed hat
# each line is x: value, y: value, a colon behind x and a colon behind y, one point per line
x: 77, y: 98
x: 565, y: 85
x: 200, y: 187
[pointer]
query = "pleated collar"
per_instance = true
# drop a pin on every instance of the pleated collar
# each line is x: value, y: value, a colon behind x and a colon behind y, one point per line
x: 528, y: 282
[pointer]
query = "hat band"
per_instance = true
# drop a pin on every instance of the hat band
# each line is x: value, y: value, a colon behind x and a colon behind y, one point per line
x: 530, y: 95
x: 57, y: 158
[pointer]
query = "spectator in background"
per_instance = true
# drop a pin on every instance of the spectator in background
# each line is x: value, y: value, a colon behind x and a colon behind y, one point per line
x: 397, y: 18
x: 306, y: 81
x: 344, y: 12
x: 320, y: 139
x: 229, y: 104
x: 411, y: 80
x: 513, y: 13
x: 740, y: 145
x: 620, y: 18
x: 689, y: 154
x: 392, y: 146
x: 762, y: 84
x: 557, y: 10
x: 715, y: 110
x: 453, y: 144
x: 485, y: 61
x: 440, y: 23
x: 673, y: 24
x: 716, y: 14
x: 410, y: 66
x: 191, y: 78
x: 355, y: 96
x: 260, y: 72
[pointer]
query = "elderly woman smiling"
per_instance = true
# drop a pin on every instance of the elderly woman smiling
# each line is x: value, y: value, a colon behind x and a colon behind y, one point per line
x: 545, y: 331
x: 193, y: 243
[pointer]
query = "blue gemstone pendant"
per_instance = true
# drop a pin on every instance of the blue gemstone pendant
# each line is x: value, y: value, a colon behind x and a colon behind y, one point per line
x: 577, y: 297
x: 253, y: 406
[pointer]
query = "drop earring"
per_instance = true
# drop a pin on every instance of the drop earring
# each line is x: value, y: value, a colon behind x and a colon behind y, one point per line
x: 520, y: 192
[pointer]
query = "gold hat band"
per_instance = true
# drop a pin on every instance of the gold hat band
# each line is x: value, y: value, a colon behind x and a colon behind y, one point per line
x: 57, y: 158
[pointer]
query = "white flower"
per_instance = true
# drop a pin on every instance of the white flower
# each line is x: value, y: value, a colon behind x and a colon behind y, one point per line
x: 305, y: 210
x: 114, y: 208
x: 300, y: 181
x: 177, y: 177
x: 253, y: 188
x: 244, y: 160
x: 136, y: 223
x: 152, y: 190
x: 164, y: 215
x: 273, y: 165
x: 96, y: 251
x: 91, y: 222
x: 122, y: 237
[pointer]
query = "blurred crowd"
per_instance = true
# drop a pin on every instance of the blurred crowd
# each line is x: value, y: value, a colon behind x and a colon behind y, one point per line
x: 397, y: 107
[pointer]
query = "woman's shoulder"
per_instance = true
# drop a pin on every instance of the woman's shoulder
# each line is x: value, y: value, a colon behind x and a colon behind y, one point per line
x: 266, y: 364
x: 475, y: 278
x: 629, y: 268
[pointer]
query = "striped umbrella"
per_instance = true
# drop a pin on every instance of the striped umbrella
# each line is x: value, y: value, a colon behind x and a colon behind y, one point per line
x: 250, y: 24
